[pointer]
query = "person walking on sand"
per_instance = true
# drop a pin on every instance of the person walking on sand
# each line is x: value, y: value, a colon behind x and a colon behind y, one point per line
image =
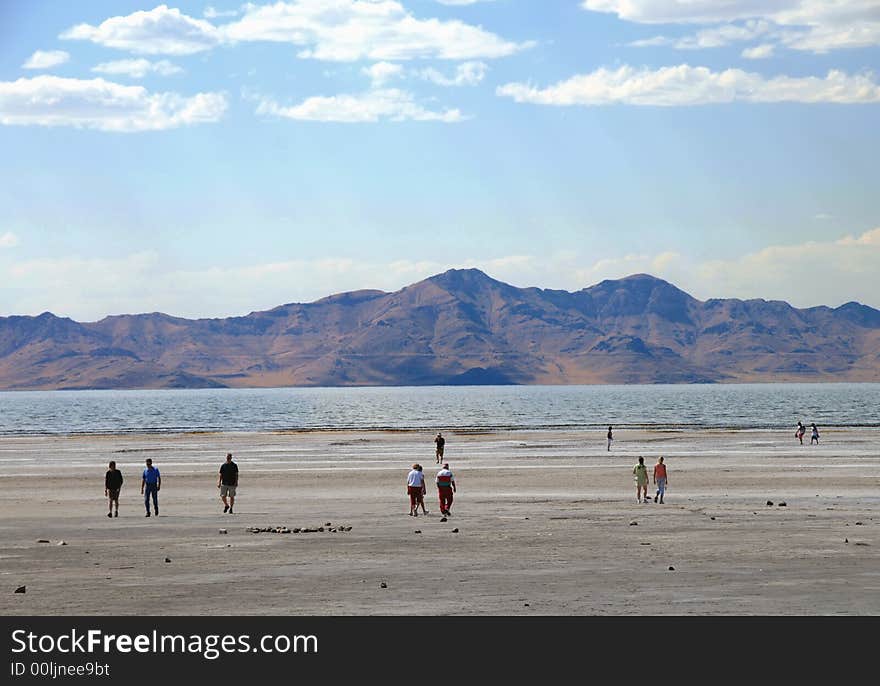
x: 440, y: 442
x: 415, y: 483
x: 445, y: 489
x: 424, y: 490
x: 660, y: 480
x: 151, y: 483
x: 227, y: 483
x: 610, y: 438
x: 112, y: 486
x: 814, y: 436
x: 640, y: 473
x: 799, y: 434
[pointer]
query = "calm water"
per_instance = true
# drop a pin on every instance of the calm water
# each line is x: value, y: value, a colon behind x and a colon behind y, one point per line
x: 516, y: 407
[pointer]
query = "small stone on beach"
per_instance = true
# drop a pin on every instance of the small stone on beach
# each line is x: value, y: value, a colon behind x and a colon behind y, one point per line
x: 782, y: 504
x: 167, y: 559
x: 769, y: 503
x: 455, y: 531
x: 223, y: 531
x: 671, y: 568
x: 443, y: 519
x: 417, y: 531
x: 21, y: 589
x: 62, y: 542
x: 633, y: 523
x: 383, y: 585
x: 42, y: 540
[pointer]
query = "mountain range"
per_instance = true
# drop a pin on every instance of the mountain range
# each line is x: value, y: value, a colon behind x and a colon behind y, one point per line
x: 457, y: 328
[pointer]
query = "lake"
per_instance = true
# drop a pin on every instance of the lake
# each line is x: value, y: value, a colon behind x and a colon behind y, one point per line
x: 745, y: 406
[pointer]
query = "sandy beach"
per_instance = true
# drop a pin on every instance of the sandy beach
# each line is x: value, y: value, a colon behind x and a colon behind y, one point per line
x: 547, y: 524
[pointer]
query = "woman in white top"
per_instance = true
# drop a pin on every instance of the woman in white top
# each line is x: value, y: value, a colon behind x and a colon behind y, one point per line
x: 415, y: 486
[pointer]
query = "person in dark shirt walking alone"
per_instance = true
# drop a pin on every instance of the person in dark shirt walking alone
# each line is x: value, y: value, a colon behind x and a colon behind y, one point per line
x: 227, y: 483
x: 112, y: 486
x: 440, y: 442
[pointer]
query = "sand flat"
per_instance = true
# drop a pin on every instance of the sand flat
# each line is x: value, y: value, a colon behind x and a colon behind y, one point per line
x: 544, y: 518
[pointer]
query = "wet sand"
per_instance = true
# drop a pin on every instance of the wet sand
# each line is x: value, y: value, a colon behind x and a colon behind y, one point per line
x: 548, y: 524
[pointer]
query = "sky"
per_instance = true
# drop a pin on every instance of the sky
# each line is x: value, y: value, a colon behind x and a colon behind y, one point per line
x: 213, y: 159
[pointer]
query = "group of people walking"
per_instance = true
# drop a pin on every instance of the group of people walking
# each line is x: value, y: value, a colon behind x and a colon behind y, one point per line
x: 416, y: 488
x: 151, y: 484
x: 640, y: 474
x: 801, y: 430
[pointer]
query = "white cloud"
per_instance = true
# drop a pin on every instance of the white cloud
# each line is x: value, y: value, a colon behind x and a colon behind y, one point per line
x: 46, y: 59
x: 349, y: 30
x: 686, y: 85
x: 807, y: 274
x: 8, y: 240
x: 160, y: 31
x: 715, y: 37
x: 813, y: 25
x: 685, y: 11
x: 383, y: 72
x: 330, y: 30
x: 137, y: 68
x: 388, y: 104
x: 102, y: 105
x: 466, y: 74
x: 213, y: 13
x: 458, y: 3
x: 759, y: 52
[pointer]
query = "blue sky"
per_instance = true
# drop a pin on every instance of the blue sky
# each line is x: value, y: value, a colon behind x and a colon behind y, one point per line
x: 213, y: 159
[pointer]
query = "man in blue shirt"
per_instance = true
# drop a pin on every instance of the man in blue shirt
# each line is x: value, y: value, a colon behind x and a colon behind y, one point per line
x: 150, y: 484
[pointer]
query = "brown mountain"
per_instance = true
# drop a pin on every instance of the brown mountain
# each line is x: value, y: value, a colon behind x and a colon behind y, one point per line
x: 460, y: 327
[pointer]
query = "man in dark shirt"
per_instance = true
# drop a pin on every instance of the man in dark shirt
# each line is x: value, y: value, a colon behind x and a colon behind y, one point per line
x: 440, y: 442
x: 112, y: 486
x: 228, y: 482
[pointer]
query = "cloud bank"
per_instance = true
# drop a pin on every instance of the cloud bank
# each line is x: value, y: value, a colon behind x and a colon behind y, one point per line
x: 102, y: 105
x: 828, y: 272
x: 686, y: 85
x: 329, y: 30
x: 389, y: 104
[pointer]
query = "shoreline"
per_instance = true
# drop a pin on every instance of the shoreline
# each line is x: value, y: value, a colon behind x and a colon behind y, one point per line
x: 586, y: 429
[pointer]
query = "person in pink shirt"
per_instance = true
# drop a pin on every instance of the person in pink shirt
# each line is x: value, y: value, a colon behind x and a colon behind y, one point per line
x: 660, y: 479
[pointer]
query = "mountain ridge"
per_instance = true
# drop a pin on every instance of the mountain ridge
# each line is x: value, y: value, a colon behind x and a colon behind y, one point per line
x: 460, y: 326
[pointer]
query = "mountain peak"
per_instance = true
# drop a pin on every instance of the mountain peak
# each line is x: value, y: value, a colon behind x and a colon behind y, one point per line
x: 465, y: 279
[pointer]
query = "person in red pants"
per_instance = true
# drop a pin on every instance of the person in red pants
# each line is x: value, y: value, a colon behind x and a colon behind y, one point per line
x: 445, y: 488
x: 415, y: 485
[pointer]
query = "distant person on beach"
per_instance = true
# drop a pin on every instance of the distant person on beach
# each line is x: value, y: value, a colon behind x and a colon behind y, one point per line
x: 424, y: 490
x: 445, y: 488
x: 151, y: 483
x: 112, y: 486
x: 440, y: 441
x: 415, y: 484
x: 640, y: 473
x: 660, y: 480
x: 799, y: 434
x: 610, y: 438
x: 814, y: 437
x: 227, y: 483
